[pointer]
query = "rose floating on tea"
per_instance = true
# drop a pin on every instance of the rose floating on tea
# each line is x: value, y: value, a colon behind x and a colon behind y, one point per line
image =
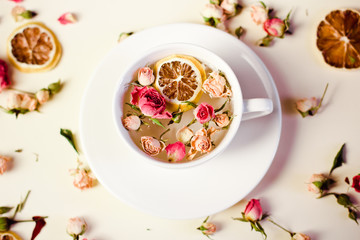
x: 132, y: 122
x: 201, y: 142
x: 175, y: 152
x: 184, y: 134
x: 146, y: 76
x: 215, y: 85
x: 151, y: 146
x: 150, y: 102
x: 204, y: 113
x: 222, y: 120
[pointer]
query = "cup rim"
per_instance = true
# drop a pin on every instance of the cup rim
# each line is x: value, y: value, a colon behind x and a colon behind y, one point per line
x: 157, y: 53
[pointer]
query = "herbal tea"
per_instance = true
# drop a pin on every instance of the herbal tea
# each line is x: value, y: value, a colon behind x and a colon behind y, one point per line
x: 177, y: 109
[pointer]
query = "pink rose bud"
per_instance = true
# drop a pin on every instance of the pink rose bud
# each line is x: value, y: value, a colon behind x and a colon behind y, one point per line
x: 356, y: 183
x: 146, y: 76
x: 315, y: 178
x: 175, y: 152
x: 208, y: 228
x: 184, y: 134
x: 150, y: 102
x: 300, y: 236
x: 43, y: 96
x: 222, y: 120
x: 253, y: 210
x: 274, y: 27
x: 67, y: 18
x: 132, y: 122
x: 16, y: 1
x: 83, y: 179
x: 305, y: 104
x: 4, y: 76
x: 212, y: 11
x: 259, y: 13
x: 204, y: 113
x: 151, y: 146
x: 76, y: 226
x: 215, y: 85
x: 229, y: 6
x: 4, y: 163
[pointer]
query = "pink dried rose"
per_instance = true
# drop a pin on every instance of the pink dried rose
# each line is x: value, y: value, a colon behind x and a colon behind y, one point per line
x: 216, y: 86
x: 146, y: 76
x: 230, y: 7
x: 67, y: 18
x: 275, y: 27
x: 4, y: 163
x: 76, y: 227
x: 4, y: 75
x: 221, y: 120
x: 201, y: 142
x: 356, y: 183
x: 315, y: 183
x: 184, y: 134
x: 300, y: 236
x: 150, y: 102
x: 16, y: 1
x: 204, y: 113
x: 259, y: 13
x: 310, y: 106
x: 132, y: 122
x: 213, y: 14
x: 207, y: 228
x: 253, y: 210
x: 43, y: 96
x: 83, y: 178
x: 151, y: 146
x: 175, y: 152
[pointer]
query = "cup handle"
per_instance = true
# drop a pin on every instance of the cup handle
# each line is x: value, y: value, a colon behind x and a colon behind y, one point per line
x: 256, y: 107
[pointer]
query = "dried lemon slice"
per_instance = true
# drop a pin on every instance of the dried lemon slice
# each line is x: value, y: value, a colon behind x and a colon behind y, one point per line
x: 33, y: 47
x: 179, y: 78
x: 9, y: 236
x: 338, y: 39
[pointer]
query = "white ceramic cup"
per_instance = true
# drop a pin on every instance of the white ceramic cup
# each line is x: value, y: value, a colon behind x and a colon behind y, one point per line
x: 243, y: 109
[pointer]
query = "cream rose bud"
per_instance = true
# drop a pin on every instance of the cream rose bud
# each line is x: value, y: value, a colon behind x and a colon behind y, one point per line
x: 76, y: 226
x: 259, y: 13
x: 4, y: 163
x: 28, y: 102
x: 132, y: 122
x: 146, y: 76
x: 184, y: 134
x: 315, y: 178
x: 221, y: 120
x: 151, y: 146
x: 212, y: 11
x: 83, y: 179
x: 300, y: 236
x: 43, y: 96
x: 14, y: 101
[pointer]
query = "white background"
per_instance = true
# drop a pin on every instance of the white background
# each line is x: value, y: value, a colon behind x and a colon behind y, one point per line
x: 307, y: 145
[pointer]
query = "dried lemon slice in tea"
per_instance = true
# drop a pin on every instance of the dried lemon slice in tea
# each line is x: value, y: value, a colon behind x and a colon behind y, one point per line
x: 338, y: 38
x: 33, y: 47
x: 179, y: 78
x: 9, y: 236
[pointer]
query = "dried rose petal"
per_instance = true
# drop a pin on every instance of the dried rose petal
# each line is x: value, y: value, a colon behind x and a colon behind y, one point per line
x: 67, y: 18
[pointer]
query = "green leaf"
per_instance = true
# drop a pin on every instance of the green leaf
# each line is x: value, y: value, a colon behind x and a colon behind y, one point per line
x: 261, y: 229
x: 222, y: 106
x: 5, y: 209
x: 176, y: 118
x: 54, y: 87
x: 287, y: 22
x: 190, y: 103
x: 263, y: 4
x: 353, y: 215
x: 338, y: 160
x: 136, y: 108
x: 21, y: 205
x: 239, y: 31
x: 206, y: 125
x: 69, y: 136
x: 343, y: 200
x: 28, y: 14
x: 157, y: 122
x: 265, y: 42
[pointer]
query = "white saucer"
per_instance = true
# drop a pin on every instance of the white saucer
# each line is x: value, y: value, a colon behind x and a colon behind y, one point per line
x: 180, y: 193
